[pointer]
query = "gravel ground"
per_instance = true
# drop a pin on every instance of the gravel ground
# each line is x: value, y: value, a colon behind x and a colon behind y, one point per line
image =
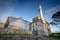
x: 27, y: 38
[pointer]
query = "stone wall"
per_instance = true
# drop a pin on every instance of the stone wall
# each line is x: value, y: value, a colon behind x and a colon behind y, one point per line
x: 13, y: 31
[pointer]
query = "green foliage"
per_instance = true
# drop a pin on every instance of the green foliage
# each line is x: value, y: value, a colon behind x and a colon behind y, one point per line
x: 56, y: 18
x: 56, y: 15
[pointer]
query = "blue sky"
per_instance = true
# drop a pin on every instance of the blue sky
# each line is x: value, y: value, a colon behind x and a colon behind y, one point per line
x: 28, y: 9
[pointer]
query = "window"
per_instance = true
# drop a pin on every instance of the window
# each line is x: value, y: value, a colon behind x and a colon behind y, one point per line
x: 36, y: 23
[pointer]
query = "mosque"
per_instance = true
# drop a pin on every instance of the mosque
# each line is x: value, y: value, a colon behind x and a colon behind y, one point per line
x: 39, y: 26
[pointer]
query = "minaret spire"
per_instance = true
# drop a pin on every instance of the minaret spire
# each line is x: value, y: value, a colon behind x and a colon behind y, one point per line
x: 40, y: 10
x: 45, y: 27
x: 41, y: 15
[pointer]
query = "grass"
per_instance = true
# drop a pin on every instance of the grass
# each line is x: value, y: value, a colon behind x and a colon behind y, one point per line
x: 17, y: 34
x: 52, y: 35
x: 55, y: 35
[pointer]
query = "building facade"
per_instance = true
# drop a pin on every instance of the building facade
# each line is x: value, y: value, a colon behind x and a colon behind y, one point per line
x: 1, y: 25
x: 17, y: 23
x: 39, y: 26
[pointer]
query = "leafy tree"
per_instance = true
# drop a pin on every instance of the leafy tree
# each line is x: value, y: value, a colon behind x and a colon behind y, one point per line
x: 56, y: 17
x: 57, y: 14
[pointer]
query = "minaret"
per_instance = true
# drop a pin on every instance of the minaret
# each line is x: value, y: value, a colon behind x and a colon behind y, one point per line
x: 41, y: 15
x: 40, y: 10
x: 45, y: 28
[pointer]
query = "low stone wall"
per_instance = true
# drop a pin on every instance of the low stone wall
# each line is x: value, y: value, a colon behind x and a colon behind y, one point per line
x: 12, y: 31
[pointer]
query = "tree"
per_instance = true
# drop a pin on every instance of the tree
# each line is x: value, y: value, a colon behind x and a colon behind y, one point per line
x: 56, y: 17
x: 57, y: 14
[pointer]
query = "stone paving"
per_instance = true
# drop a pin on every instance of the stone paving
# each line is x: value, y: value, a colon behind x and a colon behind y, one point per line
x: 27, y: 38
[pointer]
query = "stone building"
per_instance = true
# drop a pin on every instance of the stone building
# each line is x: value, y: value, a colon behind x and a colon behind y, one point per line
x: 39, y: 26
x: 16, y: 26
x: 16, y: 23
x: 1, y: 25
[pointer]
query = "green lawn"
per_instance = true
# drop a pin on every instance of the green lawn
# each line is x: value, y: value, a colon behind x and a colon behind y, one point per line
x: 55, y: 35
x: 18, y: 34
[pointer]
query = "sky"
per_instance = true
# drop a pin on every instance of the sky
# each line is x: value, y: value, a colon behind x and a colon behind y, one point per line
x: 28, y: 9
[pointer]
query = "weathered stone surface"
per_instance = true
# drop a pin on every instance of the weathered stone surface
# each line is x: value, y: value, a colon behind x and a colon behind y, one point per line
x: 13, y: 31
x: 27, y: 38
x: 16, y: 23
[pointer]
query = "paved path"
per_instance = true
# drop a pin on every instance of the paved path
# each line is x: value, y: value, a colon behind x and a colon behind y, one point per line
x: 27, y: 38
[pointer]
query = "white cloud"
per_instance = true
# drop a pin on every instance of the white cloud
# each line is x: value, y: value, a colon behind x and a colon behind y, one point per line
x: 48, y: 13
x: 54, y: 9
x: 5, y: 14
x: 54, y: 29
x: 5, y: 10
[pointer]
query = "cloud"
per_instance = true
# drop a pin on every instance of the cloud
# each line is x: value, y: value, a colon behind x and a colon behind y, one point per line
x: 48, y: 13
x: 5, y: 10
x: 55, y: 29
x: 5, y: 14
x: 55, y: 9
